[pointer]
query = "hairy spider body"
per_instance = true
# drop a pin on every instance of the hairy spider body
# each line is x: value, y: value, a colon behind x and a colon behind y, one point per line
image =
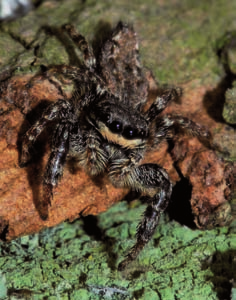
x: 105, y: 127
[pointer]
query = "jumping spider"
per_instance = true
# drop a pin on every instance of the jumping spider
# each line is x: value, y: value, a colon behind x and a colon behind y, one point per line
x: 106, y: 127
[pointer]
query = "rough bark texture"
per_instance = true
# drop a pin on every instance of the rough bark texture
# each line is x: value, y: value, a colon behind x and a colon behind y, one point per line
x: 21, y: 202
x: 79, y: 260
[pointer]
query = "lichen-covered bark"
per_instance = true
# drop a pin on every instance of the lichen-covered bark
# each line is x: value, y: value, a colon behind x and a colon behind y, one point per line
x: 79, y: 260
x: 74, y: 261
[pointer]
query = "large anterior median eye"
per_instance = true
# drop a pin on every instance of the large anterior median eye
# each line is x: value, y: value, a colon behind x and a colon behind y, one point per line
x: 129, y: 132
x: 132, y: 133
x: 115, y: 126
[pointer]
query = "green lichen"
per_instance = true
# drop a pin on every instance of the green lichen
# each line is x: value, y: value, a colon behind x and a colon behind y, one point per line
x: 65, y: 262
x: 9, y: 49
x: 3, y: 287
x: 177, y: 39
x: 229, y: 111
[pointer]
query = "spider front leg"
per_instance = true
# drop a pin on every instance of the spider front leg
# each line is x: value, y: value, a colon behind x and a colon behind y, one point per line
x: 52, y: 112
x: 170, y: 125
x: 56, y: 161
x: 154, y: 183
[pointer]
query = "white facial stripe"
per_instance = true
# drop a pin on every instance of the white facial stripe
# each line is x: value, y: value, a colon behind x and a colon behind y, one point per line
x: 118, y: 139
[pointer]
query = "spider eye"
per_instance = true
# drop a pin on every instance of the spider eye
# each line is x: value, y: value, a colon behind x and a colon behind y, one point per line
x: 115, y: 126
x: 132, y: 133
x: 129, y: 132
x: 143, y: 134
x: 105, y: 118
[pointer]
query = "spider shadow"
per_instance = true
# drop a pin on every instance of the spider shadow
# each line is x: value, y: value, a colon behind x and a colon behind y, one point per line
x: 92, y: 229
x: 214, y: 100
x: 179, y: 208
x: 35, y: 167
x: 223, y: 267
x: 102, y: 33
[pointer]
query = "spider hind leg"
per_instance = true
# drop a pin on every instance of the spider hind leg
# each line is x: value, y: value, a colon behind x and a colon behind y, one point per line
x: 82, y: 45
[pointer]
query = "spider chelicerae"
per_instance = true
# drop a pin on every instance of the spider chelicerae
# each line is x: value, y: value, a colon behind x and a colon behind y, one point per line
x: 106, y: 126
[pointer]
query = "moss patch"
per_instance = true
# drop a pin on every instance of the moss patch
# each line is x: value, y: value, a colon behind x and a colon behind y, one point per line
x: 178, y: 39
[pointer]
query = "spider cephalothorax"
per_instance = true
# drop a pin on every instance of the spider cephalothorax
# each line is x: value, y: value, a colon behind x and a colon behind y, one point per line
x: 105, y: 127
x: 119, y: 123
